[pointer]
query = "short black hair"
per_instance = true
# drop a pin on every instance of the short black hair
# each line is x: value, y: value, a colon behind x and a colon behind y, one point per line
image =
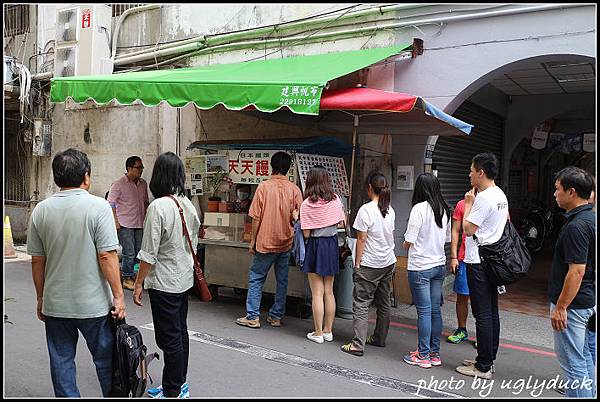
x: 578, y: 179
x: 130, y: 162
x: 487, y: 162
x: 69, y: 168
x: 168, y: 176
x: 281, y: 162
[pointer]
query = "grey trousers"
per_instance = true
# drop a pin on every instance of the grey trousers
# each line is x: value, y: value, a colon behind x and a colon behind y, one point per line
x: 371, y: 285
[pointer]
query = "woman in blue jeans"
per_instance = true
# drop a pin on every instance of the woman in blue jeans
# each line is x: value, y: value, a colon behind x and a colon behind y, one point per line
x: 427, y: 232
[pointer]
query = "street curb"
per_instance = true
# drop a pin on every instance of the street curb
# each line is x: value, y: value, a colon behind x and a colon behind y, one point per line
x: 21, y: 257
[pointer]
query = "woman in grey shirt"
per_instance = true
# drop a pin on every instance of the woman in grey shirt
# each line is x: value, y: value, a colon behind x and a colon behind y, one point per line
x: 167, y: 270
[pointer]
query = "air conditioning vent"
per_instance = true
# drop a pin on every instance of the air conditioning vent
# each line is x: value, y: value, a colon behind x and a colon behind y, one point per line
x: 67, y: 25
x: 65, y: 60
x: 83, y: 40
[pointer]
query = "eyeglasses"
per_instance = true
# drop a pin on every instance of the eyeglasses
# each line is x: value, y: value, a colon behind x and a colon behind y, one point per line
x: 138, y: 167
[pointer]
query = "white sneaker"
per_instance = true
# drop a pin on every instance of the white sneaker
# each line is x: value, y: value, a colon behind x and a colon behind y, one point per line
x: 328, y: 336
x: 315, y: 338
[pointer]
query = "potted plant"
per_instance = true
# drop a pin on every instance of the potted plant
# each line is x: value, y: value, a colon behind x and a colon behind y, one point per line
x: 215, y: 180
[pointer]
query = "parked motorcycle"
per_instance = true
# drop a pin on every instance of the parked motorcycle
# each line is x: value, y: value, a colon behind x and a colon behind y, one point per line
x: 536, y: 227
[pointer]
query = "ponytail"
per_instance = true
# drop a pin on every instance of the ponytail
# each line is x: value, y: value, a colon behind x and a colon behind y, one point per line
x: 382, y: 190
x: 384, y: 200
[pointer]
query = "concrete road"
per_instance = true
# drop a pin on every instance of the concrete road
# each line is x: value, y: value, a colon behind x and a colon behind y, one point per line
x: 227, y: 360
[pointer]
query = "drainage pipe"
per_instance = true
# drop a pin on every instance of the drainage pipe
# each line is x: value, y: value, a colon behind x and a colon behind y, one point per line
x: 212, y: 40
x: 126, y: 14
x: 456, y: 18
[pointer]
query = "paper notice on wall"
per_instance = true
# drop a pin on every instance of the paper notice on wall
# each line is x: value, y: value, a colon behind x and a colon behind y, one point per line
x: 195, y: 164
x: 215, y: 163
x: 539, y: 139
x: 405, y: 177
x: 589, y: 142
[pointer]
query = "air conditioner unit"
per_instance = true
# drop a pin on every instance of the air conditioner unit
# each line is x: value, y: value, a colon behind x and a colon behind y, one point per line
x: 83, y: 40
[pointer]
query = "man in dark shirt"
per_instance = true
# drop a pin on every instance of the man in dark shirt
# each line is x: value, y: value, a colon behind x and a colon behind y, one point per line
x: 571, y: 287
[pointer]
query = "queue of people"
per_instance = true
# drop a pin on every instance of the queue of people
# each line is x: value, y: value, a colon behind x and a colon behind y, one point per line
x: 96, y: 227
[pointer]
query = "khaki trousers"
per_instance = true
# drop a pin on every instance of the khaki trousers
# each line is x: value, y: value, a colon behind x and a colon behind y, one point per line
x: 371, y: 285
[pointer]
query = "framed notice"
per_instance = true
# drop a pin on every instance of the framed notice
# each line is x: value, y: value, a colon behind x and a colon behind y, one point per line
x: 405, y: 177
x: 335, y: 168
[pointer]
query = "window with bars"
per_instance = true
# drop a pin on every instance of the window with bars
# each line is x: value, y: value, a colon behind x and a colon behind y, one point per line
x: 16, y: 19
x: 118, y: 9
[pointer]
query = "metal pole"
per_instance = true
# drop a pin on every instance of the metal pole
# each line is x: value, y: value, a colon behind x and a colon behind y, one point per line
x: 354, y: 138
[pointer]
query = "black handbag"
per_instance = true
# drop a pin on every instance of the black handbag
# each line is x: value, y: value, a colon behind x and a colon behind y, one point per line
x: 508, y: 260
x: 344, y: 250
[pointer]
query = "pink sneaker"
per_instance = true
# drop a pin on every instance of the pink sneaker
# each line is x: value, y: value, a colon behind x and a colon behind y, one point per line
x: 436, y: 359
x: 414, y: 359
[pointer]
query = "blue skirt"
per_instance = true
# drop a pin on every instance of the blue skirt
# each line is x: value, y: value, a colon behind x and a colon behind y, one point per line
x: 322, y: 256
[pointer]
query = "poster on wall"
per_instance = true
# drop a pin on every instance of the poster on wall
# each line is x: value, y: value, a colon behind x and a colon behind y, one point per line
x: 405, y: 177
x: 335, y: 168
x: 215, y: 163
x: 252, y: 167
x: 195, y: 172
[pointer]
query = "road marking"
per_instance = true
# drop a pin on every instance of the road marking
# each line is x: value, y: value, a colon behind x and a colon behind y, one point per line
x: 280, y: 357
x: 502, y: 345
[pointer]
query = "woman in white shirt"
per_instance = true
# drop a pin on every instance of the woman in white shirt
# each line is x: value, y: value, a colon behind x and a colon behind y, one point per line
x: 374, y: 265
x: 427, y: 232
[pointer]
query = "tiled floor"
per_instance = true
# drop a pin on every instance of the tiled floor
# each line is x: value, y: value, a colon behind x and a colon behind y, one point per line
x: 528, y: 296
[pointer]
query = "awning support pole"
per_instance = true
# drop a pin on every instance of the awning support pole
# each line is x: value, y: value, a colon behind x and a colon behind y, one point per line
x: 354, y: 139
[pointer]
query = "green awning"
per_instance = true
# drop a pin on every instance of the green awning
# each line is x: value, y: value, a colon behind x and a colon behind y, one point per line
x: 268, y: 85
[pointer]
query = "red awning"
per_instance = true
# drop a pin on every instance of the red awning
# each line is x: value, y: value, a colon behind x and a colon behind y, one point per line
x: 367, y: 99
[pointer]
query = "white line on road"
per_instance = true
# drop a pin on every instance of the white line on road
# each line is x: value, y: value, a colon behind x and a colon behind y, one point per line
x: 354, y: 375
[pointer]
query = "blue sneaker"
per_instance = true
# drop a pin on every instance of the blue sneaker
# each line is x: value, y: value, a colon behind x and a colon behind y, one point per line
x: 157, y: 392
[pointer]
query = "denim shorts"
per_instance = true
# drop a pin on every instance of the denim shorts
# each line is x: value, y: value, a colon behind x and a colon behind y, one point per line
x: 460, y: 281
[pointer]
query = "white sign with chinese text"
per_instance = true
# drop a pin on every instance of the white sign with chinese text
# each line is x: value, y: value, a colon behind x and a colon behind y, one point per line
x: 335, y: 168
x: 299, y: 95
x: 252, y: 167
x: 404, y: 177
x: 539, y: 139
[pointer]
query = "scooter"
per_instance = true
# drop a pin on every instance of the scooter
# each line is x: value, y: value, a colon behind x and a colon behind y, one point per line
x: 536, y: 227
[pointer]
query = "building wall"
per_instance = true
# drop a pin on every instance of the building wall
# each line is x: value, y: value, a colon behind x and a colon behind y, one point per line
x: 465, y: 56
x: 459, y: 59
x: 108, y: 135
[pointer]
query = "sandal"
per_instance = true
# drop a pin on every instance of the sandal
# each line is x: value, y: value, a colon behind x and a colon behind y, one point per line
x: 348, y: 349
x: 371, y: 341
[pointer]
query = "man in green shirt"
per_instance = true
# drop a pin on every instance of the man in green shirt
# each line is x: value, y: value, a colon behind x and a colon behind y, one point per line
x: 72, y: 239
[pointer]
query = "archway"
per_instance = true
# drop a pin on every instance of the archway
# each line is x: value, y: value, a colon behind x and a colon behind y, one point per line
x: 506, y: 105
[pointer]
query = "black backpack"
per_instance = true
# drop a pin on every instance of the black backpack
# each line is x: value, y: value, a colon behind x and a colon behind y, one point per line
x: 130, y: 363
x: 508, y: 260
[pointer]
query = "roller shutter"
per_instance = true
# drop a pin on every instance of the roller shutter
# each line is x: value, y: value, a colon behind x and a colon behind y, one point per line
x: 452, y: 155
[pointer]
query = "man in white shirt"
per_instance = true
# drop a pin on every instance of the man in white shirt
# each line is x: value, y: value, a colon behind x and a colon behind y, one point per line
x: 486, y: 213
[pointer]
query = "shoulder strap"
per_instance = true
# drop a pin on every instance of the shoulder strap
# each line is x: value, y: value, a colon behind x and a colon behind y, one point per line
x: 185, y: 231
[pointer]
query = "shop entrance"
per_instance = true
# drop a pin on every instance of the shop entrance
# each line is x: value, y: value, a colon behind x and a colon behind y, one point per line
x: 541, y: 112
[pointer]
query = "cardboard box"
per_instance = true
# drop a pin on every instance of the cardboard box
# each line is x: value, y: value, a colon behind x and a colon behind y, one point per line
x: 224, y: 219
x: 400, y: 282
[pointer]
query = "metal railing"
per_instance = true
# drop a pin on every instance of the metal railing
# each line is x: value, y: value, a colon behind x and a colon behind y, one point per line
x: 118, y: 9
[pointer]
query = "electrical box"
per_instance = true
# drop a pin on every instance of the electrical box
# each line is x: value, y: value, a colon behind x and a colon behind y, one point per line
x: 83, y: 40
x: 42, y: 137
